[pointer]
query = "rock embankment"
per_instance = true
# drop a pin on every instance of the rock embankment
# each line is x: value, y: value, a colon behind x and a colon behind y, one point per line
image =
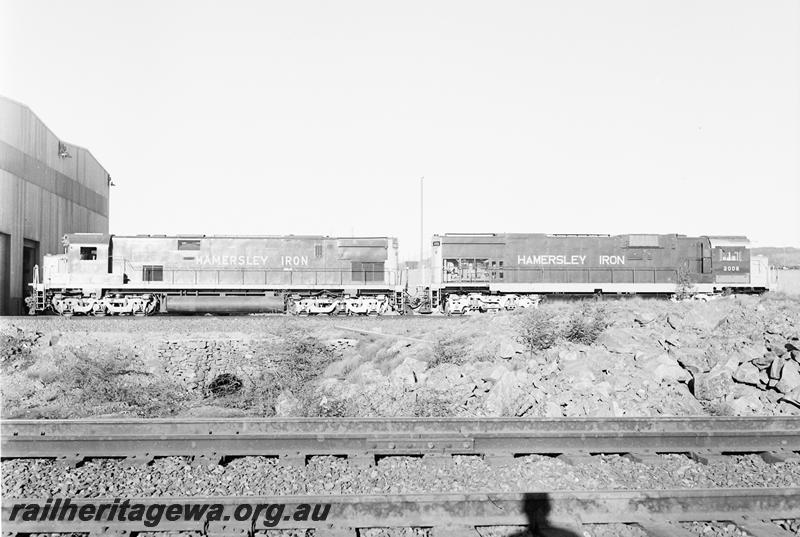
x: 736, y: 356
x: 731, y: 356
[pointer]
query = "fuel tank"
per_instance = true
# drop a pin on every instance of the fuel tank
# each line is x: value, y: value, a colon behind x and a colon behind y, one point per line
x: 222, y: 304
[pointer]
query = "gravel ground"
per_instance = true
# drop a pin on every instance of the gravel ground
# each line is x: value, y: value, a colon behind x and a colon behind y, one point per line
x: 702, y: 529
x: 175, y: 476
x: 613, y: 530
x: 714, y: 529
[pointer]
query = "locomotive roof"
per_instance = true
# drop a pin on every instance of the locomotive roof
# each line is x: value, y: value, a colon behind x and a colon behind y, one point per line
x: 86, y: 238
x: 738, y: 239
x: 244, y: 237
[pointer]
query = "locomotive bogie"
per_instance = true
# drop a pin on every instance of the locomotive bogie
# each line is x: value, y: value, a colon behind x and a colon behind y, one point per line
x: 107, y: 305
x: 485, y: 302
x: 345, y: 305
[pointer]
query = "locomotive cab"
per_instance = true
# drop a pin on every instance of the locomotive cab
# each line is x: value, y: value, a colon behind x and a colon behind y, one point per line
x: 89, y: 253
x: 85, y: 263
x: 730, y: 260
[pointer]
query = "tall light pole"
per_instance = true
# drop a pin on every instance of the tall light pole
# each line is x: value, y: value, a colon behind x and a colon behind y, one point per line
x: 421, y: 228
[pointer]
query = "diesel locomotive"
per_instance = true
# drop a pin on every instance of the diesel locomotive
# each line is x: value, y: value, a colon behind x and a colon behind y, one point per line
x: 307, y: 275
x: 505, y: 270
x: 103, y: 274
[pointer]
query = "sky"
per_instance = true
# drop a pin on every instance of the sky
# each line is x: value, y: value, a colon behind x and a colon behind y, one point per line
x: 316, y: 117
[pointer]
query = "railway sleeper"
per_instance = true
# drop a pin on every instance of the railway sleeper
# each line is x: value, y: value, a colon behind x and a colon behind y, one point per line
x: 761, y: 528
x: 578, y: 458
x: 650, y: 459
x: 142, y: 459
x: 659, y: 528
x: 773, y: 457
x: 707, y: 457
x: 207, y: 459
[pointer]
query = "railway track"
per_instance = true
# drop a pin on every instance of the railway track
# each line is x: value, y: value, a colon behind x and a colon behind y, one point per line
x: 209, y: 441
x: 363, y: 440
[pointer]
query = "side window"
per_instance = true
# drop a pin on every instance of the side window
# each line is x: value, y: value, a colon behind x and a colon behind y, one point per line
x: 153, y: 273
x: 357, y: 271
x: 375, y: 272
x: 317, y: 251
x: 88, y: 253
x: 192, y: 244
x: 366, y: 272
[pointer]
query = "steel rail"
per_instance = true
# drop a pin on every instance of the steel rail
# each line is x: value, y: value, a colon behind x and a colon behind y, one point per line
x: 298, y: 437
x: 656, y: 511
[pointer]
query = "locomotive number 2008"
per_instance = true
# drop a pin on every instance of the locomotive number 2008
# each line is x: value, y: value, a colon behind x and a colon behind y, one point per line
x: 727, y: 268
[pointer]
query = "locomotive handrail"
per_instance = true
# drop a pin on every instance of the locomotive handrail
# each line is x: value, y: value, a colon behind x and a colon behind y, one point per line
x: 449, y: 277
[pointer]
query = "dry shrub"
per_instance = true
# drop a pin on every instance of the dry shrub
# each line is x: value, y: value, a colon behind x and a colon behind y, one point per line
x: 84, y: 383
x: 449, y: 349
x: 540, y: 329
x: 16, y: 345
x: 684, y: 287
x: 536, y: 329
x: 585, y: 324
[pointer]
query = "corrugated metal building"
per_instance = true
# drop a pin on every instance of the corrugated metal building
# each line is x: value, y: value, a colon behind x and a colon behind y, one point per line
x: 47, y: 188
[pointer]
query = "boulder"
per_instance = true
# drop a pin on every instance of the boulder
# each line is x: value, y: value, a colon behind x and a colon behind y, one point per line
x: 703, y: 318
x: 715, y: 384
x: 764, y: 361
x: 776, y: 368
x: 664, y: 368
x: 792, y: 397
x: 693, y: 359
x: 552, y: 410
x: 776, y: 343
x: 752, y: 352
x: 54, y: 337
x: 619, y: 340
x: 499, y: 371
x: 675, y: 321
x: 680, y: 402
x: 747, y: 373
x: 506, y: 396
x: 790, y: 377
x: 509, y: 349
x: 680, y: 339
x: 602, y: 388
x: 367, y: 373
x: 748, y: 402
x: 568, y: 355
x: 578, y: 374
x: 644, y: 318
x: 288, y: 406
x: 411, y: 371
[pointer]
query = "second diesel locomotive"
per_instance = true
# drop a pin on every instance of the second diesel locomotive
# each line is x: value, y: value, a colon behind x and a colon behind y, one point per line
x: 144, y: 274
x: 493, y: 271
